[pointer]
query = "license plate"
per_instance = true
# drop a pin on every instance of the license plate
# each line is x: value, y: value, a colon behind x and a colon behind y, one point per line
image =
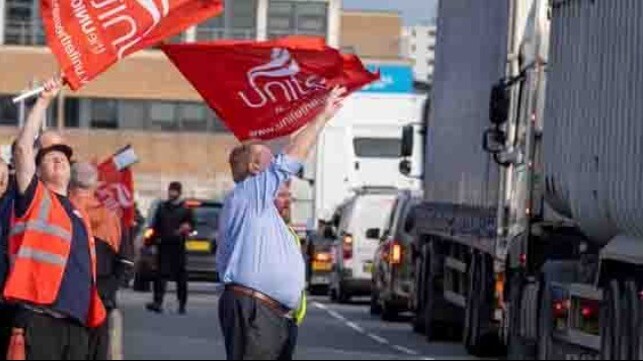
x: 320, y: 280
x: 368, y: 267
x: 198, y: 246
x: 321, y: 266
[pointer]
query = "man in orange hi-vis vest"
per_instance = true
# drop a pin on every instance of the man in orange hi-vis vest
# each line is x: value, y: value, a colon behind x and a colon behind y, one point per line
x: 52, y: 277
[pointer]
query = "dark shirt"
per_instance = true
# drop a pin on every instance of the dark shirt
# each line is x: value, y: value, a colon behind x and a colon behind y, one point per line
x: 168, y: 220
x: 110, y: 270
x: 74, y: 296
x: 6, y: 207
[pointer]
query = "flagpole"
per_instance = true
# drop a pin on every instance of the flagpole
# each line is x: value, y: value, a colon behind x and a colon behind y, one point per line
x: 28, y: 94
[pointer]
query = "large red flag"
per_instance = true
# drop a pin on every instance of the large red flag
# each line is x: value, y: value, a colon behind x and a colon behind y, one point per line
x: 268, y: 89
x: 116, y: 184
x: 88, y: 36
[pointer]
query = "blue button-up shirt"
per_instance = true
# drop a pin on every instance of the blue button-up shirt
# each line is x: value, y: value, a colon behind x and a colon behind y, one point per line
x: 256, y: 248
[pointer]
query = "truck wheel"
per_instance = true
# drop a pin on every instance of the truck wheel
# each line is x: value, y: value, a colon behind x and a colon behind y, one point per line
x: 545, y: 323
x: 431, y: 293
x: 610, y: 322
x: 639, y: 330
x: 477, y: 339
x: 419, y: 315
x: 376, y: 308
x: 517, y: 349
x: 629, y: 318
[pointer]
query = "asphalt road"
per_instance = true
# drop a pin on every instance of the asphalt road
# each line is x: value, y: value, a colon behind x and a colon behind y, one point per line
x: 331, y: 332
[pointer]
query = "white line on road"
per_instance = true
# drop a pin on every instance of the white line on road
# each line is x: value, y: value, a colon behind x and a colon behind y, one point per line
x: 355, y: 327
x: 377, y: 338
x: 352, y: 325
x: 405, y: 350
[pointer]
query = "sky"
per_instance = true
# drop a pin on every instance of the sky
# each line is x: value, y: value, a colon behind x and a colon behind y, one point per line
x: 414, y: 11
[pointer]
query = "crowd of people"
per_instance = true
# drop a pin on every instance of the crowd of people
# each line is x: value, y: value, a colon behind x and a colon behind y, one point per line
x: 63, y: 254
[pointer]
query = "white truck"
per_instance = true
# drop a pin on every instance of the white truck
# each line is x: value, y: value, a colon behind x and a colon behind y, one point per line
x: 361, y: 146
x: 535, y: 240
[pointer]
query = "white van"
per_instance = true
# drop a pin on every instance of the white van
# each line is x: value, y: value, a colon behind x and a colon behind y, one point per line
x: 360, y: 223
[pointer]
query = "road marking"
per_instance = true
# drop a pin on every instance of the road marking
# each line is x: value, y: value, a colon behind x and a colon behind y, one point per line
x: 377, y: 338
x: 337, y: 315
x: 321, y: 306
x: 352, y: 325
x: 405, y: 350
x: 355, y: 327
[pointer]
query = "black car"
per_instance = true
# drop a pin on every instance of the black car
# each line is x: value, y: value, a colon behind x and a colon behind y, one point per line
x: 393, y: 275
x: 200, y: 245
x: 319, y: 260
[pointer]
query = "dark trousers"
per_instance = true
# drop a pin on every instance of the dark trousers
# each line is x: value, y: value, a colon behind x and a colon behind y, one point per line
x: 49, y: 338
x: 253, y: 331
x: 171, y: 260
x: 6, y: 324
x: 99, y: 342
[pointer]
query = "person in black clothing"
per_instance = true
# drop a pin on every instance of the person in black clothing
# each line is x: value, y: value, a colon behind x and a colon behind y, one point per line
x: 172, y: 223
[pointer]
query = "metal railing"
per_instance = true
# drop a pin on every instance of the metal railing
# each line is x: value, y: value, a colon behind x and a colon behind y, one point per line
x: 24, y: 33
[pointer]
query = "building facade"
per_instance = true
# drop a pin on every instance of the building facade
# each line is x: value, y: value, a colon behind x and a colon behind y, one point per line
x: 371, y: 34
x: 144, y: 101
x: 418, y: 45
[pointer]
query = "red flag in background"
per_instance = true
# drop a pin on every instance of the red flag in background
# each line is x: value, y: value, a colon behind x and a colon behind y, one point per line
x: 88, y: 36
x: 268, y: 89
x: 116, y: 184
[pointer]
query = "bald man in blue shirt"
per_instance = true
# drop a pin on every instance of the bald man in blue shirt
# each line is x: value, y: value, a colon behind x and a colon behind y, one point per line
x: 258, y: 258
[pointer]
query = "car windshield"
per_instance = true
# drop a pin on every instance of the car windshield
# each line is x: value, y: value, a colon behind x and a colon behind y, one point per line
x: 207, y: 217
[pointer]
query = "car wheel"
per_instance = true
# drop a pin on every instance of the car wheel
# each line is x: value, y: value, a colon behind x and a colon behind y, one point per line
x: 376, y: 308
x: 389, y: 312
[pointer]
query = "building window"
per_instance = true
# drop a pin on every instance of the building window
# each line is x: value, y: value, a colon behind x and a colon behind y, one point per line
x: 193, y: 116
x: 162, y: 116
x: 8, y: 111
x: 297, y: 18
x: 104, y: 114
x: 414, y: 48
x: 414, y: 33
x: 23, y: 25
x: 72, y: 113
x: 432, y: 48
x: 133, y: 114
x: 239, y: 21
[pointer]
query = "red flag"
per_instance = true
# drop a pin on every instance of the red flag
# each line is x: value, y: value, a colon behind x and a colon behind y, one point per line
x: 116, y: 185
x: 88, y: 36
x: 268, y: 89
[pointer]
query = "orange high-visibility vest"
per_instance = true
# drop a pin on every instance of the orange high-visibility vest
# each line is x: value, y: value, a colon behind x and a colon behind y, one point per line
x: 39, y: 249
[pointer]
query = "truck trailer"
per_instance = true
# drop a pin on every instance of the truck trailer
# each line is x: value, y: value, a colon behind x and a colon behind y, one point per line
x: 530, y: 236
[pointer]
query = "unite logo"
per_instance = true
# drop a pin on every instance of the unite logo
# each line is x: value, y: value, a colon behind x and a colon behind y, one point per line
x: 115, y: 196
x: 284, y: 84
x: 126, y: 22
